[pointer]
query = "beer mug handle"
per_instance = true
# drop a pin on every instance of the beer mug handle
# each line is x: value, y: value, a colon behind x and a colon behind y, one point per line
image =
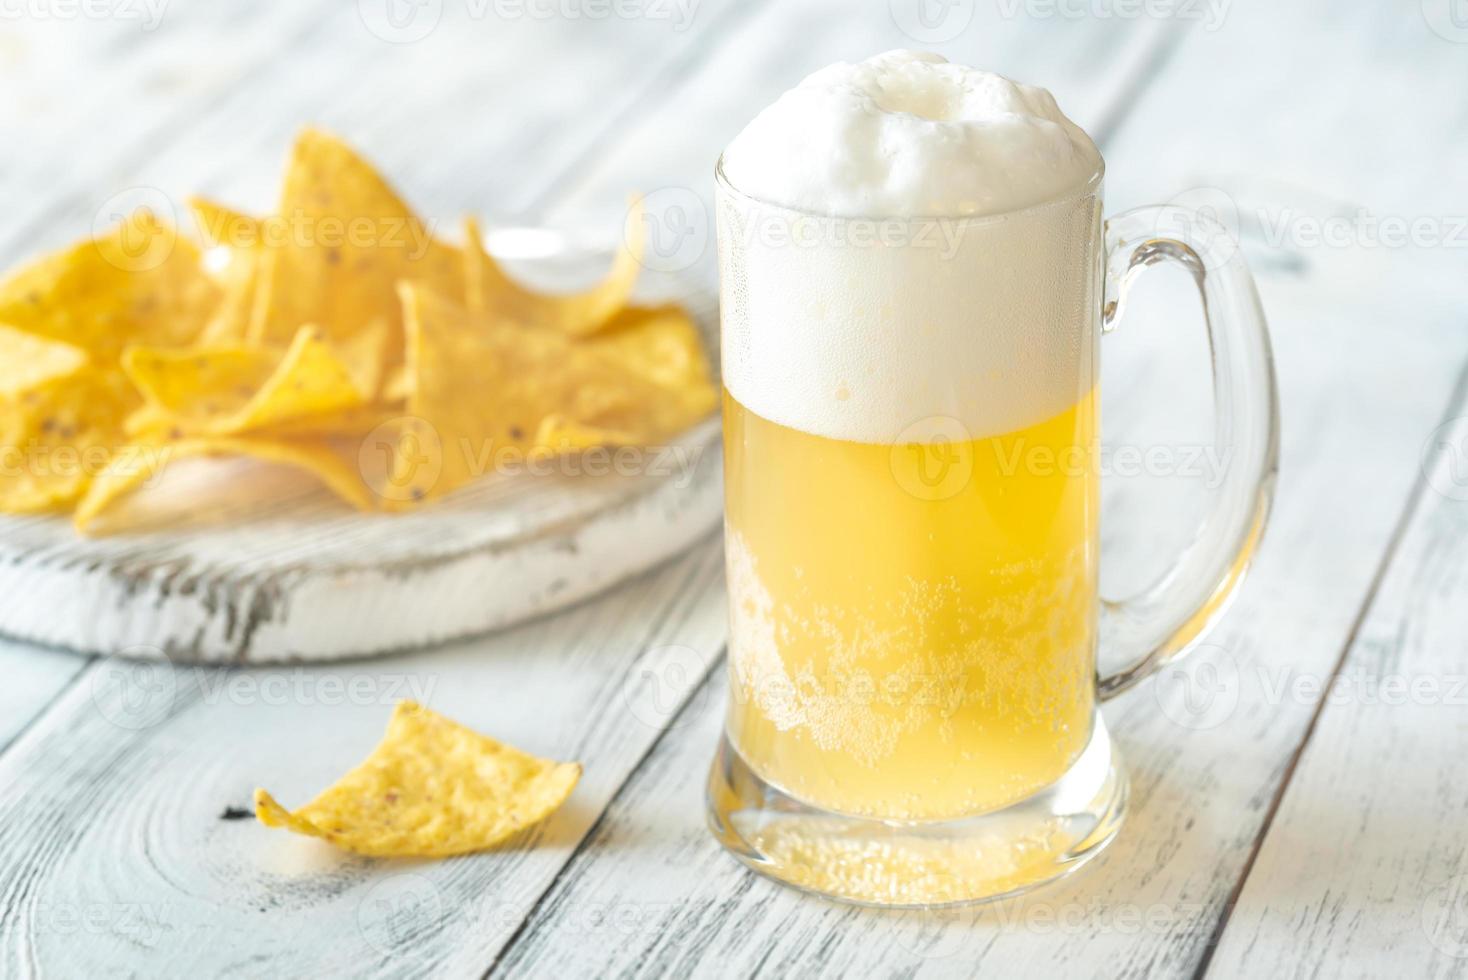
x: 1160, y: 624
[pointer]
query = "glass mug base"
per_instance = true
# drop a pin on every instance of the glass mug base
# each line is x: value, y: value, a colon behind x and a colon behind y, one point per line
x: 893, y: 864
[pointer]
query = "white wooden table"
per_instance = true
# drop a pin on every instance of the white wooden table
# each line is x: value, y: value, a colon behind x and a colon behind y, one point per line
x: 1276, y: 830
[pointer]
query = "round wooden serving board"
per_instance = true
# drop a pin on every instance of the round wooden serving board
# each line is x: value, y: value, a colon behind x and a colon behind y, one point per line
x: 221, y: 569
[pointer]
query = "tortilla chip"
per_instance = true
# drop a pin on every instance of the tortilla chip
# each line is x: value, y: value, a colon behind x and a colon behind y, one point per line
x: 337, y: 320
x: 139, y: 284
x: 661, y: 344
x: 431, y: 788
x: 363, y: 354
x: 396, y: 384
x: 224, y: 227
x: 349, y: 241
x: 482, y: 387
x: 235, y: 239
x: 150, y: 422
x: 334, y: 468
x: 559, y: 434
x: 55, y: 437
x: 27, y: 361
x: 349, y: 423
x: 488, y: 289
x: 234, y: 389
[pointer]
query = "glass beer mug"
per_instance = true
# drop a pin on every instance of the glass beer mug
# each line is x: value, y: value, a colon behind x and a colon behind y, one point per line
x: 911, y: 535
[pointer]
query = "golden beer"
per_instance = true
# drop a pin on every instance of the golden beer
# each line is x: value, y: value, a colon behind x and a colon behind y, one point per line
x: 912, y: 625
x: 913, y: 281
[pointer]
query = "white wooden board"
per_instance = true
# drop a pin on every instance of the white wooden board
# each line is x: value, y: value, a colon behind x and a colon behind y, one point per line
x: 235, y: 561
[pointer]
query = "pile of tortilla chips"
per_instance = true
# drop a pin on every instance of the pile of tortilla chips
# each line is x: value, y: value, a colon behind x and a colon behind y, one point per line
x: 338, y: 321
x: 431, y: 788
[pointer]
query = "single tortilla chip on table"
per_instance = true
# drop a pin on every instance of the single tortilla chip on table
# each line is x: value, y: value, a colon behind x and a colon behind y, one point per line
x: 431, y: 788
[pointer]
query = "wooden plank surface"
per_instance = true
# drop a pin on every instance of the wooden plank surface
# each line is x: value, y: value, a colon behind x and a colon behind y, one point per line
x: 1204, y: 784
x: 1364, y: 872
x: 111, y: 805
x: 33, y: 678
x: 113, y: 856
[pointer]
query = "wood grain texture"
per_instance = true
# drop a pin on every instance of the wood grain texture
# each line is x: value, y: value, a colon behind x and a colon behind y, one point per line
x: 1364, y: 872
x: 468, y: 119
x: 669, y: 148
x: 112, y: 803
x: 33, y: 678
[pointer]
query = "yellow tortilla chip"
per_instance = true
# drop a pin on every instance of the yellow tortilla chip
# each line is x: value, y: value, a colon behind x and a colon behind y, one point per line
x: 155, y: 423
x: 396, y: 384
x: 235, y: 238
x: 363, y: 355
x: 488, y: 289
x: 55, y: 437
x: 348, y: 240
x: 337, y: 319
x: 233, y: 389
x: 199, y: 384
x: 148, y: 421
x: 27, y: 361
x: 559, y: 434
x: 351, y: 423
x: 225, y: 227
x: 482, y: 387
x: 662, y: 345
x: 141, y: 283
x: 334, y: 468
x: 431, y: 788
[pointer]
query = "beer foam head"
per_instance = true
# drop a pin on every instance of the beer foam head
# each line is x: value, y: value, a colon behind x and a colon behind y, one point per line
x: 907, y: 248
x: 908, y: 133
